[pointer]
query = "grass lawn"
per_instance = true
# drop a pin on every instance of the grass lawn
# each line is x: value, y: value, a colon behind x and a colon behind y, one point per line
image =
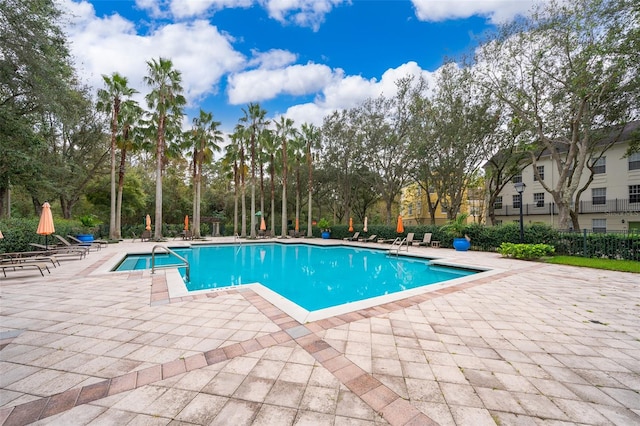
x: 610, y: 264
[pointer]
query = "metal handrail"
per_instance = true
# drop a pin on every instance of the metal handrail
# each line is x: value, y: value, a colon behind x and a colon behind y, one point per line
x: 399, y: 246
x: 168, y: 251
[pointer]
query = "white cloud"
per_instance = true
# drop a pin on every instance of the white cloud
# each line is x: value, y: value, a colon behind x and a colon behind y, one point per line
x: 348, y: 92
x: 262, y: 84
x: 111, y: 44
x: 498, y: 11
x: 182, y: 9
x: 304, y: 13
x: 274, y: 58
x: 153, y: 7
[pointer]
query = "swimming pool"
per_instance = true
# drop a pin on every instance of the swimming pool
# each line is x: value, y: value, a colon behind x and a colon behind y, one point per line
x: 313, y: 277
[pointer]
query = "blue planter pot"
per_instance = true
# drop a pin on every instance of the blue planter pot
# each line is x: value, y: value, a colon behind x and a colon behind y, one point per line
x: 326, y: 235
x: 85, y: 238
x: 461, y: 244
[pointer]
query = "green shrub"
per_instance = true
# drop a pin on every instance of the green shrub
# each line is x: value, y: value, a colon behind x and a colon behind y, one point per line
x: 525, y: 251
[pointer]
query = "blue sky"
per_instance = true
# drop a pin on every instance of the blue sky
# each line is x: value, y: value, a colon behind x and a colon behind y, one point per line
x: 299, y: 58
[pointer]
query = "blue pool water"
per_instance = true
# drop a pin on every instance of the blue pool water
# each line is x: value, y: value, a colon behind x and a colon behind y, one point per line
x: 311, y: 276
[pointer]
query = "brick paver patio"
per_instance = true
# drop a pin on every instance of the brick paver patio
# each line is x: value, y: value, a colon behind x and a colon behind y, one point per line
x: 534, y: 344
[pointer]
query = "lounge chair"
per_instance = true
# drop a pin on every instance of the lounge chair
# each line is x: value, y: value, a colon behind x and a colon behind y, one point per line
x: 66, y: 243
x: 352, y: 238
x: 29, y: 257
x: 145, y: 236
x: 371, y: 239
x: 95, y: 243
x: 409, y: 238
x: 426, y: 240
x: 187, y: 235
x: 40, y: 266
x: 61, y: 250
x: 387, y: 240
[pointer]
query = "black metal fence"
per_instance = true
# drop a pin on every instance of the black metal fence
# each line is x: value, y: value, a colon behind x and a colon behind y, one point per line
x: 604, y: 206
x: 611, y: 245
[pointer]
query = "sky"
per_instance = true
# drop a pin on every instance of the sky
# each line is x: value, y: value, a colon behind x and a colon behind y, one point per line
x: 298, y: 58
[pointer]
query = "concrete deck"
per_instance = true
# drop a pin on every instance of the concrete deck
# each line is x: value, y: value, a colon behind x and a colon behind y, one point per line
x: 531, y: 344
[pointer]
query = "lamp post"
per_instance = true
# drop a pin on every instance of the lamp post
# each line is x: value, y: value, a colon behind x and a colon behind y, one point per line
x: 520, y: 186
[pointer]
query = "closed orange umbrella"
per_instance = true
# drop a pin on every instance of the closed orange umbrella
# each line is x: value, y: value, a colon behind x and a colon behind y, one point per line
x: 400, y: 228
x: 350, y: 224
x: 148, y: 222
x: 45, y: 227
x: 186, y: 223
x: 365, y: 229
x: 297, y: 225
x: 1, y: 236
x: 263, y: 224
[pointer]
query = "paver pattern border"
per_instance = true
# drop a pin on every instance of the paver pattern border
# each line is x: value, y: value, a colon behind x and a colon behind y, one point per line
x: 393, y: 407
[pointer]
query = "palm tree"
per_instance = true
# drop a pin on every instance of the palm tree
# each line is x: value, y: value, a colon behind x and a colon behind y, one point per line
x: 311, y: 135
x: 204, y: 138
x: 270, y: 147
x: 262, y: 159
x: 166, y: 102
x: 109, y: 101
x: 230, y: 161
x: 254, y: 116
x: 239, y: 137
x: 297, y: 150
x: 285, y: 129
x: 131, y: 139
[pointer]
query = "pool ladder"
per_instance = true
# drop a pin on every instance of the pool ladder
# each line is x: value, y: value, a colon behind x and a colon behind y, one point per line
x: 397, y: 245
x: 167, y: 250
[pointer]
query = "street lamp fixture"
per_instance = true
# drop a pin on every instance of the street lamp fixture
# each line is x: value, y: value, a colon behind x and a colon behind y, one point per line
x: 520, y: 186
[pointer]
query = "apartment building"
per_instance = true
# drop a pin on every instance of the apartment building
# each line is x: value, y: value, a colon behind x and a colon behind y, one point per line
x: 610, y: 203
x: 414, y: 206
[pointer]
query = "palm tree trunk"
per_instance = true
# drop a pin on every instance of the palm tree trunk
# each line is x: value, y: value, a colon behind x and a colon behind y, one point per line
x: 252, y: 233
x: 235, y: 200
x: 310, y: 191
x: 284, y: 187
x: 298, y: 198
x: 243, y: 221
x: 114, y: 130
x: 121, y: 172
x: 159, y: 159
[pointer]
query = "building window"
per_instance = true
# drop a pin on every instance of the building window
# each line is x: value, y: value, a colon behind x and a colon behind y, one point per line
x: 600, y: 166
x: 410, y: 210
x: 634, y: 193
x: 419, y: 192
x: 598, y: 196
x: 540, y: 172
x: 538, y: 199
x: 517, y: 178
x: 419, y: 208
x: 634, y: 161
x: 599, y: 225
x: 498, y: 204
x: 516, y: 201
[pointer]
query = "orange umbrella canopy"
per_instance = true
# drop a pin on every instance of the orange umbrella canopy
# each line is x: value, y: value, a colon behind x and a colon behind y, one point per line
x: 186, y: 223
x: 45, y: 227
x: 350, y: 224
x: 400, y: 228
x: 148, y: 222
x: 263, y: 224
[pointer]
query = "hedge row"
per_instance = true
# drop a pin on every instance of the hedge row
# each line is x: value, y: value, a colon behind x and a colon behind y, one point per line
x: 20, y: 232
x: 624, y: 246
